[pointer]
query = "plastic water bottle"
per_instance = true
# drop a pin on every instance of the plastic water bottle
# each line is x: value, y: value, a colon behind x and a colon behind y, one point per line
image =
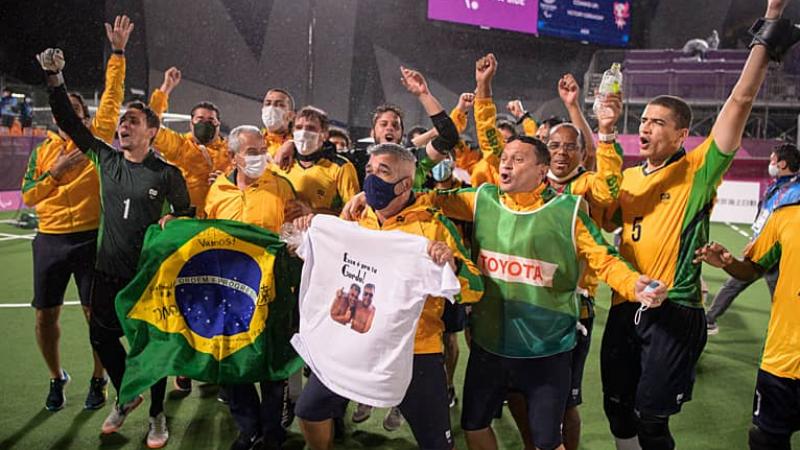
x: 611, y: 84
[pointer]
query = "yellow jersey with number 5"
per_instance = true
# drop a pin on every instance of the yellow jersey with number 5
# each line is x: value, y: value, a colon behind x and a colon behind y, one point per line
x: 665, y: 214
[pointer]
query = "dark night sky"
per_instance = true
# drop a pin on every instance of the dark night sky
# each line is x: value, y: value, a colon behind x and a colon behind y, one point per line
x: 28, y: 27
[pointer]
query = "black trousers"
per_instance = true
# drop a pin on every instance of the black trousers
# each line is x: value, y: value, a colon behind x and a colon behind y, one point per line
x: 105, y: 332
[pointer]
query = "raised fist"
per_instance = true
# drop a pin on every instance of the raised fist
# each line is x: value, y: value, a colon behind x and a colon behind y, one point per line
x: 465, y: 101
x: 485, y: 68
x: 172, y: 77
x: 51, y: 59
x: 515, y: 108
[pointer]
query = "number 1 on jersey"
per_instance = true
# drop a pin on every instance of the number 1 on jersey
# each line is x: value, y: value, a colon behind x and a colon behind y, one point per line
x: 127, y: 203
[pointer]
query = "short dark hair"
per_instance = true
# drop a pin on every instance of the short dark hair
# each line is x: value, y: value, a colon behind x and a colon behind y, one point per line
x: 681, y: 110
x: 789, y: 153
x: 508, y: 126
x: 286, y: 93
x: 77, y: 96
x: 205, y: 105
x: 339, y: 132
x: 312, y: 112
x: 356, y: 287
x: 416, y: 129
x: 152, y: 118
x: 384, y: 108
x: 369, y: 285
x: 539, y: 147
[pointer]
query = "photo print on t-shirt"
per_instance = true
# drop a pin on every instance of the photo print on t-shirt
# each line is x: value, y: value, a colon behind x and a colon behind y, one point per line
x: 353, y: 306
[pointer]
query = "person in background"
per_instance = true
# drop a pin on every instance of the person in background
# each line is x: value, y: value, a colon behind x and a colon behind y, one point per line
x: 201, y: 153
x: 62, y: 185
x: 253, y: 194
x: 784, y: 164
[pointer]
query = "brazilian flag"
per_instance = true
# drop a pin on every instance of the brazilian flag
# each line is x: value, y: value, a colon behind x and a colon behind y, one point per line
x: 213, y: 300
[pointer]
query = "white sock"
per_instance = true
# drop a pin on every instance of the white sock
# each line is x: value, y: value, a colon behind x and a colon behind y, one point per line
x: 628, y: 444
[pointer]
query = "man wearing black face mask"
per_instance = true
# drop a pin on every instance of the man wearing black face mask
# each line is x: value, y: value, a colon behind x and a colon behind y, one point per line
x: 393, y: 207
x: 201, y: 154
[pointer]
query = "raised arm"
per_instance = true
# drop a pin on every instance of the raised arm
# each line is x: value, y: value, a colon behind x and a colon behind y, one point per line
x: 489, y: 137
x: 523, y: 117
x: 459, y: 113
x: 773, y: 37
x: 105, y: 121
x: 52, y: 61
x: 607, y: 179
x: 570, y: 93
x: 168, y: 141
x: 447, y: 137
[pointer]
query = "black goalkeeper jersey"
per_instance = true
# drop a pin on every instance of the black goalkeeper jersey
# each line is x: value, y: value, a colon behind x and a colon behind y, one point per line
x: 133, y: 195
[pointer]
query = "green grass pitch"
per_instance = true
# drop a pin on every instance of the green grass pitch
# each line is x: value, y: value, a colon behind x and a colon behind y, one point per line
x: 717, y: 418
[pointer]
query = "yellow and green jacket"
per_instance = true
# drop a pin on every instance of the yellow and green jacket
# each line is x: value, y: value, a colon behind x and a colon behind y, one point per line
x: 261, y: 204
x: 779, y: 243
x: 72, y: 204
x: 195, y: 161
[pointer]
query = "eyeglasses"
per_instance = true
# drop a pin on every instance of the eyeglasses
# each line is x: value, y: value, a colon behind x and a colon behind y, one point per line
x: 568, y: 146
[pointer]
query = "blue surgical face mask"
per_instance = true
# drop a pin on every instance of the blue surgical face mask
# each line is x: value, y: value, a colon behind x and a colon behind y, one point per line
x: 379, y: 193
x: 442, y: 171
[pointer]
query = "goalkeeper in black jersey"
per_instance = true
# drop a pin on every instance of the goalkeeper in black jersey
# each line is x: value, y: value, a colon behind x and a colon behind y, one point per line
x: 137, y: 189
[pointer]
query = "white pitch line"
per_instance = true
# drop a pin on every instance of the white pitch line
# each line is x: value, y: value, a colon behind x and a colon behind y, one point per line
x: 28, y: 305
x: 738, y: 230
x: 17, y: 236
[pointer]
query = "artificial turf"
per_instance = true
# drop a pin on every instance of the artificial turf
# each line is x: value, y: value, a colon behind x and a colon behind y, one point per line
x: 717, y: 418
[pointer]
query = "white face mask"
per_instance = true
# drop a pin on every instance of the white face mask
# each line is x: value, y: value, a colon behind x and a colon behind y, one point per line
x: 254, y: 165
x: 274, y: 118
x: 773, y: 170
x: 306, y: 142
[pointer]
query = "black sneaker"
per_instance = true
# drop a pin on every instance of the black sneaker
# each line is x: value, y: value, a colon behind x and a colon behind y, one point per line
x: 56, y: 398
x: 247, y: 442
x: 98, y: 393
x: 183, y: 384
x: 451, y: 396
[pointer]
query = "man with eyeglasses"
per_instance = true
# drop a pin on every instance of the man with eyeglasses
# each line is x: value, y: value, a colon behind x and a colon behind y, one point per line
x: 567, y: 175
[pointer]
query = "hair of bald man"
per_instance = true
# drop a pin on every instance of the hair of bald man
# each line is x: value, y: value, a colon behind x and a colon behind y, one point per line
x: 571, y: 126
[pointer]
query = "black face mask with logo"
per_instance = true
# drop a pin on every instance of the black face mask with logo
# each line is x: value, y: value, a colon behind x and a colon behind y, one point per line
x: 204, y: 132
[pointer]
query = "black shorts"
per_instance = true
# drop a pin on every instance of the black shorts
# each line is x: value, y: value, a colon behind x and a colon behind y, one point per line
x: 776, y: 404
x: 651, y: 366
x: 425, y: 405
x: 579, y: 355
x: 56, y: 257
x: 105, y: 288
x: 545, y: 383
x: 454, y: 317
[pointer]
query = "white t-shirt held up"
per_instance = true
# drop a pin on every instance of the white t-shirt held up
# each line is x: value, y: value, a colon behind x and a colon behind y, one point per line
x: 361, y: 295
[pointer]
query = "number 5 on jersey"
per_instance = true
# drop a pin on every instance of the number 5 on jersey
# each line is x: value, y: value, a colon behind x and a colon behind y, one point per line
x: 636, y: 232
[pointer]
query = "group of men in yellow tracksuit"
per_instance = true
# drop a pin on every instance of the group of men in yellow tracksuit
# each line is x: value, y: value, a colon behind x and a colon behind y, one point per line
x: 532, y: 261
